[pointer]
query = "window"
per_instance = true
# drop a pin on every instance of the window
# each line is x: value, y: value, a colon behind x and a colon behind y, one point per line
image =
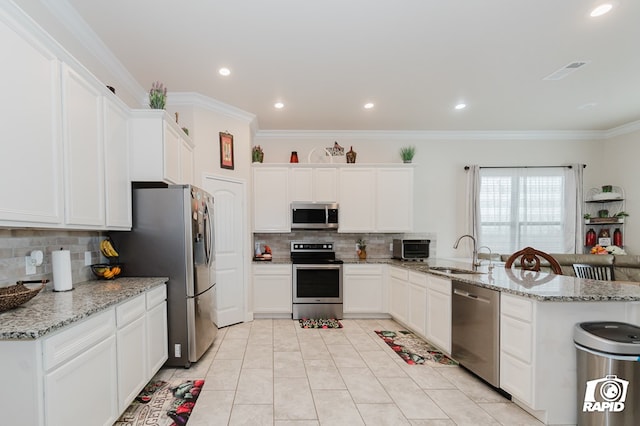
x: 522, y: 207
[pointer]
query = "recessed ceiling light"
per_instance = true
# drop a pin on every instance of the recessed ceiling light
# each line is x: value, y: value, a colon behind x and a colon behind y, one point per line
x: 278, y: 105
x: 601, y: 10
x: 368, y: 105
x: 224, y: 71
x: 460, y: 106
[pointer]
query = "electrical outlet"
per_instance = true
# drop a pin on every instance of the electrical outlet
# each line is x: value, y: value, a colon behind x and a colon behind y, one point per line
x: 30, y: 266
x: 87, y: 258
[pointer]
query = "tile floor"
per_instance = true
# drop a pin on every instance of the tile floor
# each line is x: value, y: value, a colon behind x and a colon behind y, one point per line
x: 272, y: 372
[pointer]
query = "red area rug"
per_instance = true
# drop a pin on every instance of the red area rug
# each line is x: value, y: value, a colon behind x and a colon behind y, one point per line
x: 163, y: 404
x: 412, y: 349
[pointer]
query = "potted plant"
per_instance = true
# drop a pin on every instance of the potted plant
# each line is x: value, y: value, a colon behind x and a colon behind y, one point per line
x: 257, y: 155
x: 361, y: 248
x: 407, y: 153
x: 621, y: 215
x: 157, y: 95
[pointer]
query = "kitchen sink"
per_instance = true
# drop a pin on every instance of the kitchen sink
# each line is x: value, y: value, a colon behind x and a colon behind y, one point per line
x: 450, y: 270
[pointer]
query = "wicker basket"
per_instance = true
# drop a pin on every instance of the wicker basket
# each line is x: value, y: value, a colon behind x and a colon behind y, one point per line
x: 16, y: 295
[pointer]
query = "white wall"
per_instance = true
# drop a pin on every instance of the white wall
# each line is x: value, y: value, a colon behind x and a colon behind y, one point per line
x: 439, y: 168
x: 621, y: 167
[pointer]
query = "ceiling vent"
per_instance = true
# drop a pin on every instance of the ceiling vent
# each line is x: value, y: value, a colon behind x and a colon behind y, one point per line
x: 566, y: 70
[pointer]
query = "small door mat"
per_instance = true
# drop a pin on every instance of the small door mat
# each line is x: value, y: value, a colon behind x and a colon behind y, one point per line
x: 412, y: 349
x: 163, y: 404
x: 320, y: 323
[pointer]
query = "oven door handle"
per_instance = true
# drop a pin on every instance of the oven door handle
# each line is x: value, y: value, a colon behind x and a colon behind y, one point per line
x: 316, y: 266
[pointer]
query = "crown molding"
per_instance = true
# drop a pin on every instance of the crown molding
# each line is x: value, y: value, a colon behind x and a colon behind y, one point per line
x: 70, y: 18
x: 624, y: 129
x: 197, y: 100
x: 438, y: 135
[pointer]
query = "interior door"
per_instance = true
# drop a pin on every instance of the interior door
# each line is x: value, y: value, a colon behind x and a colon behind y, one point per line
x: 229, y: 218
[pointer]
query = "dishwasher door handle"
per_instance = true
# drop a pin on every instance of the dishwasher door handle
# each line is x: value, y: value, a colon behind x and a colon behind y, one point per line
x: 471, y: 296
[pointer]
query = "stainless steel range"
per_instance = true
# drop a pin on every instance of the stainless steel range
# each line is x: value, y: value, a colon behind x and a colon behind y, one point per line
x: 317, y: 281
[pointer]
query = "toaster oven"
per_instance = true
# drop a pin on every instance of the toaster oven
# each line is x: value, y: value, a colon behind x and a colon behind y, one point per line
x: 405, y: 249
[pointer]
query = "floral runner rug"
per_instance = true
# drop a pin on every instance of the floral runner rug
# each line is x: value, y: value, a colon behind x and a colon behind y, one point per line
x: 320, y: 323
x: 163, y: 404
x: 412, y: 349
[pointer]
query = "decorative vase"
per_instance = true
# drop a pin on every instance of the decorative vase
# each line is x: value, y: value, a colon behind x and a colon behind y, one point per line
x: 362, y: 254
x: 294, y: 157
x: 351, y: 158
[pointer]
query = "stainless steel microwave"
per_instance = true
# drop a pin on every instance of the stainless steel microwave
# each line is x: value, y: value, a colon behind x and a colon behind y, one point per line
x: 306, y: 215
x: 411, y: 249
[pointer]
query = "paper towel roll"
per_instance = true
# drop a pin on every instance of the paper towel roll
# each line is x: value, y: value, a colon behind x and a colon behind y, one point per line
x: 61, y: 262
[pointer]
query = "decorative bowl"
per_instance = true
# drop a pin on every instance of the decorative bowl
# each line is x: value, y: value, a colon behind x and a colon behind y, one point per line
x: 15, y: 295
x: 106, y: 271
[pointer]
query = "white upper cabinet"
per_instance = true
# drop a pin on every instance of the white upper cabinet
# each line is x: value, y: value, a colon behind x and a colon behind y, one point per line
x: 271, y: 211
x: 313, y: 184
x: 82, y: 119
x: 160, y: 150
x: 357, y: 200
x: 394, y: 201
x: 56, y: 170
x: 116, y: 160
x: 31, y: 153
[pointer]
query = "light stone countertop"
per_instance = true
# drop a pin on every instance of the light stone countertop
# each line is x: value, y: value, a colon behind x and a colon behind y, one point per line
x: 541, y: 286
x: 49, y: 311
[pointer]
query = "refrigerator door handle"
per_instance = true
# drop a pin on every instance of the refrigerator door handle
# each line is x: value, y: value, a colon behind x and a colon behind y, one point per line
x: 208, y: 238
x: 202, y: 292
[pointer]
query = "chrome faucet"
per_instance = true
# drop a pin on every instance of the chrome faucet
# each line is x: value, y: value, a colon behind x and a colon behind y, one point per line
x: 474, y: 261
x: 490, y: 261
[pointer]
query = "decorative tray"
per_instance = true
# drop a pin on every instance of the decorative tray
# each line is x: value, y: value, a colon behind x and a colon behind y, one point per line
x: 15, y: 295
x: 606, y: 196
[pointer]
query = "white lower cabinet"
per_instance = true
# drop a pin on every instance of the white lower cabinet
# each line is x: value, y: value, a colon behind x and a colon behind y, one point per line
x: 83, y: 374
x: 417, y: 294
x: 438, y: 320
x: 157, y: 339
x: 131, y: 349
x: 80, y: 362
x: 272, y: 289
x: 516, y: 347
x: 399, y: 294
x: 363, y: 289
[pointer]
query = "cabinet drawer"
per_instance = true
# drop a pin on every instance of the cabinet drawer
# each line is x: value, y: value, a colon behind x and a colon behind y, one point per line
x: 399, y: 273
x: 77, y: 338
x: 284, y: 269
x: 418, y: 278
x: 130, y: 310
x: 156, y: 296
x: 516, y: 338
x: 516, y: 378
x: 363, y: 270
x: 516, y: 307
x: 441, y: 285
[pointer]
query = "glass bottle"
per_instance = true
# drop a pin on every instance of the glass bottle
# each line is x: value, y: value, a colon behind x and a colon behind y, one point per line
x: 617, y: 237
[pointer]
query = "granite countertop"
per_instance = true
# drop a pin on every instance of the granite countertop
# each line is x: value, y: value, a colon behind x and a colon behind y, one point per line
x: 536, y: 285
x: 49, y: 311
x: 540, y: 286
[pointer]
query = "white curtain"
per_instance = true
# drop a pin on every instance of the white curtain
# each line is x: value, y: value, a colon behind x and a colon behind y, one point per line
x: 575, y: 184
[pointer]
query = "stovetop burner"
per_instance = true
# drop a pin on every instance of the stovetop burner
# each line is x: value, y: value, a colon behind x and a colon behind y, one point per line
x: 313, y: 253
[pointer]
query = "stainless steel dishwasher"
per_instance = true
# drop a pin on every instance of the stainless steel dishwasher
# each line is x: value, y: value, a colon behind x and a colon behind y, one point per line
x: 475, y: 330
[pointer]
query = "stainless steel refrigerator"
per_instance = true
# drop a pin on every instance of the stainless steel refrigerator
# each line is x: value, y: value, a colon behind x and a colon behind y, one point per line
x: 173, y: 236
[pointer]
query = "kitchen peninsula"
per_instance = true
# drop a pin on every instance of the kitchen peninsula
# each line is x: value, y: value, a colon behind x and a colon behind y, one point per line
x: 538, y: 312
x: 96, y: 345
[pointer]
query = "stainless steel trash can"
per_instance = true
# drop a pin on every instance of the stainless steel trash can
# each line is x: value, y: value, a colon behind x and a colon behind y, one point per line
x: 608, y: 370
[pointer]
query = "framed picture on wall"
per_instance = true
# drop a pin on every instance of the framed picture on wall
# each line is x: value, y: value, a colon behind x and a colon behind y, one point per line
x: 226, y: 150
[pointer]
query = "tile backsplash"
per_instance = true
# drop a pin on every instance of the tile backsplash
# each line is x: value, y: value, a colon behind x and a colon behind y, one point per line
x: 16, y: 244
x: 344, y: 244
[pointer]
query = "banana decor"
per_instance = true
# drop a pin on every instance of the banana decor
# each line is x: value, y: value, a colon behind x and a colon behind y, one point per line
x: 107, y: 249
